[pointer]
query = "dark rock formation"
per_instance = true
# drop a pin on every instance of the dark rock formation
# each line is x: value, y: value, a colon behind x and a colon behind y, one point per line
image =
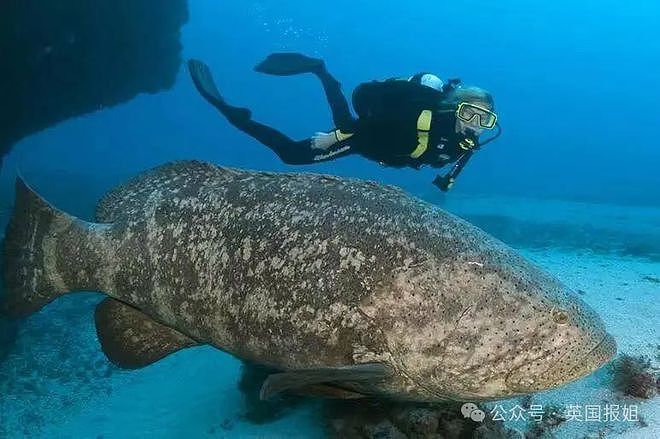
x: 372, y: 419
x: 62, y: 59
x: 8, y: 327
x: 635, y: 376
x: 8, y: 330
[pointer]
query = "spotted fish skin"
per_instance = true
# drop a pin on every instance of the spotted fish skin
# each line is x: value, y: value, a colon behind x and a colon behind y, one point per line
x: 300, y: 271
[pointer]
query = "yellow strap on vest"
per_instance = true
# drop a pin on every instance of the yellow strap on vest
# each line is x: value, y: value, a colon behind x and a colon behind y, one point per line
x: 467, y: 144
x: 423, y: 128
x: 340, y: 136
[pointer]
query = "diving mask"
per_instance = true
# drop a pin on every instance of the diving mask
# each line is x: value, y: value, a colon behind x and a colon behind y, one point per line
x: 467, y: 111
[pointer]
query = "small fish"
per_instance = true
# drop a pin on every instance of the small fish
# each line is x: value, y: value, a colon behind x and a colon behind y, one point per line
x: 347, y: 288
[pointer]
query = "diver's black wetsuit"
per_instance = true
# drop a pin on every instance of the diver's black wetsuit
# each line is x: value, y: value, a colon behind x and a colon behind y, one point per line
x: 385, y: 130
x: 301, y: 152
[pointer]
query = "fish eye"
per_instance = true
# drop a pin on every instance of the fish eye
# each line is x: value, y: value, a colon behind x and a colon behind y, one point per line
x: 559, y: 317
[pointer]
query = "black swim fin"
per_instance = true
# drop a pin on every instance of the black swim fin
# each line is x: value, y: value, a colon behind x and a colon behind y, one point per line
x: 203, y: 80
x: 289, y: 63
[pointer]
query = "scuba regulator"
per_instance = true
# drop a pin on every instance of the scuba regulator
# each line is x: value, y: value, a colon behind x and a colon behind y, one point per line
x: 471, y: 146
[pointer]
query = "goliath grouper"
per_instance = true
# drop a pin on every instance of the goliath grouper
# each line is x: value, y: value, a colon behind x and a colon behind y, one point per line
x: 348, y: 288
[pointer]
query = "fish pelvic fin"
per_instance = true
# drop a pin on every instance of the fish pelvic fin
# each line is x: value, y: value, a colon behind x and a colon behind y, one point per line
x: 130, y: 339
x: 37, y: 237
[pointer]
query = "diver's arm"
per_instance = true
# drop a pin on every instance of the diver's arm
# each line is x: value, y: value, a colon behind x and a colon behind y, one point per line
x: 444, y: 183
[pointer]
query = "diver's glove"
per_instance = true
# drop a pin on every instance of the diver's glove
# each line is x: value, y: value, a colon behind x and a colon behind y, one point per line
x: 321, y: 140
x: 444, y: 183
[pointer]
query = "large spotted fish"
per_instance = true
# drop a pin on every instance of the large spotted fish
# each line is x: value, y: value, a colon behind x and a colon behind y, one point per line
x: 348, y: 288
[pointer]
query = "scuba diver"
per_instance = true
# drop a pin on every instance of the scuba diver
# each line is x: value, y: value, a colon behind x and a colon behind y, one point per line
x: 409, y: 122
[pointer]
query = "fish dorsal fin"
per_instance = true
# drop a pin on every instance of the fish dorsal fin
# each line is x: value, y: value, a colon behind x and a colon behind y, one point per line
x: 133, y: 195
x: 131, y: 340
x: 280, y: 382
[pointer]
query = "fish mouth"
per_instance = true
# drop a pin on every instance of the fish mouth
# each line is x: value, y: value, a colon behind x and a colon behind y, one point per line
x: 602, y: 352
x: 598, y: 346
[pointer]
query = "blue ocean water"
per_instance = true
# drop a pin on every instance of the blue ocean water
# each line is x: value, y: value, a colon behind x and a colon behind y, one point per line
x: 572, y: 182
x: 575, y: 85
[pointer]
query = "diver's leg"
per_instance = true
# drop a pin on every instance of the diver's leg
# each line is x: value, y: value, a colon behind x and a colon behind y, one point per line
x: 203, y: 80
x: 341, y: 113
x: 288, y: 150
x: 286, y: 64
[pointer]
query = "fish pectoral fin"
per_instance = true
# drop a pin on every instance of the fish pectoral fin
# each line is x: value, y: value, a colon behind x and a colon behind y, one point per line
x: 131, y: 339
x: 327, y: 391
x: 296, y: 379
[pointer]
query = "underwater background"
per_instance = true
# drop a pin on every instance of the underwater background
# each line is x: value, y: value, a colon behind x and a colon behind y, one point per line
x: 572, y: 184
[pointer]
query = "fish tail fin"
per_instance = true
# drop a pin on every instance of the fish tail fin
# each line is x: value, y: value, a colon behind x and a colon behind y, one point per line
x: 32, y: 246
